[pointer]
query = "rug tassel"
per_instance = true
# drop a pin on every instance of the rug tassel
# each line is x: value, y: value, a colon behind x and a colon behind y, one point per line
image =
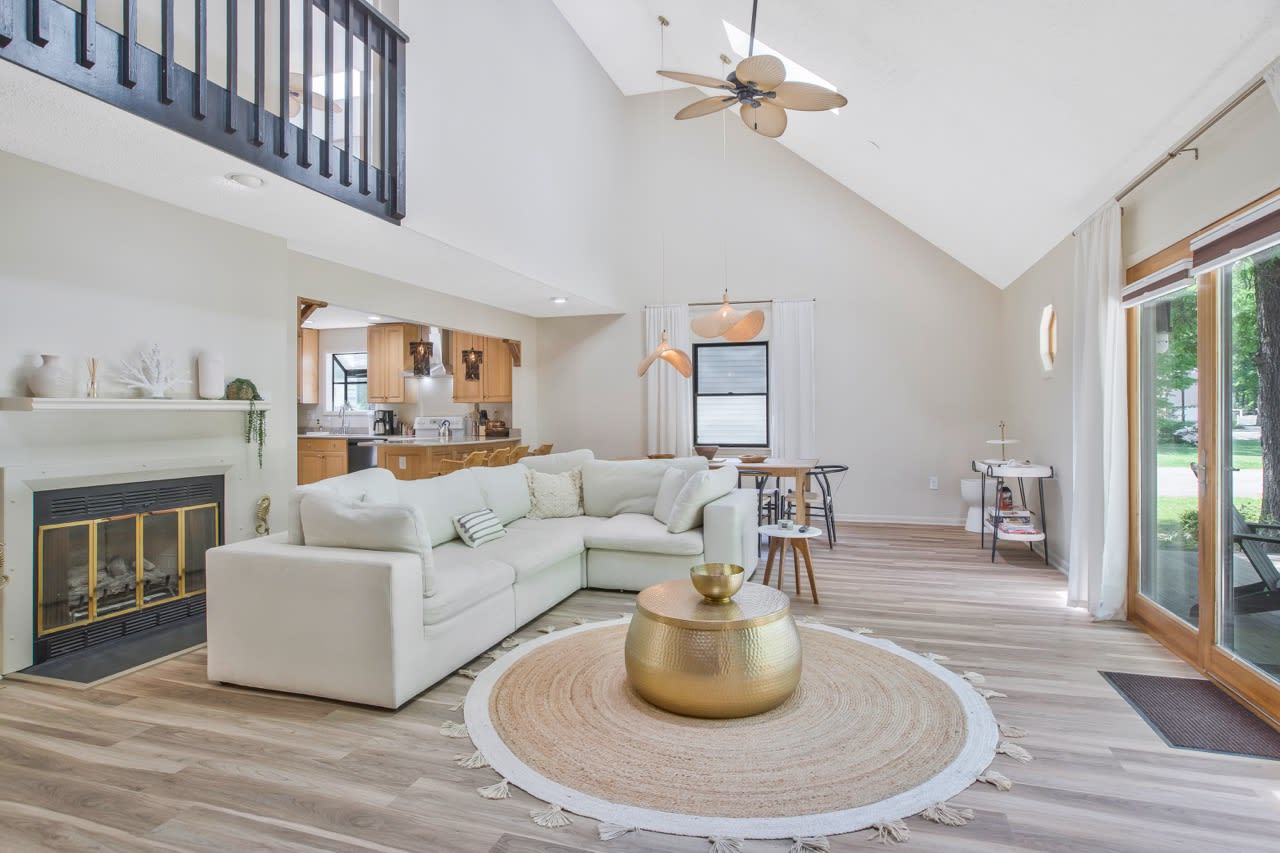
x: 720, y: 844
x: 991, y: 694
x: 469, y: 673
x: 809, y: 620
x: 861, y: 631
x: 1009, y: 730
x: 818, y: 844
x: 458, y: 706
x: 474, y: 761
x: 947, y: 814
x: 935, y: 657
x: 974, y: 678
x: 496, y: 791
x: 581, y: 620
x: 511, y: 642
x: 493, y: 654
x: 547, y: 629
x: 551, y: 817
x: 1014, y: 751
x: 610, y: 831
x: 451, y: 729
x: 998, y: 779
x: 893, y: 832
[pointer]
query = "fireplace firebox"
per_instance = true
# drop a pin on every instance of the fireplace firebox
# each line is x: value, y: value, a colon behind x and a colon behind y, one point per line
x: 113, y: 561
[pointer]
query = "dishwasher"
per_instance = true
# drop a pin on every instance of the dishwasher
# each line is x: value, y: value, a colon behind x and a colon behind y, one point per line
x: 359, y: 458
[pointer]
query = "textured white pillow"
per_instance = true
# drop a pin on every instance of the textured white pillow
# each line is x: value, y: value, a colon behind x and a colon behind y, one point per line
x: 702, y: 488
x: 555, y: 495
x: 333, y: 521
x: 672, y: 482
x: 479, y: 527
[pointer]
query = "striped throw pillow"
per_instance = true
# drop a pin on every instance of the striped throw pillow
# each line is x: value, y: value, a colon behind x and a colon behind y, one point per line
x: 479, y: 527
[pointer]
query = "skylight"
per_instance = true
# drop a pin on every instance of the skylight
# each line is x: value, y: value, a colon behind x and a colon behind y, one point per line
x: 739, y: 43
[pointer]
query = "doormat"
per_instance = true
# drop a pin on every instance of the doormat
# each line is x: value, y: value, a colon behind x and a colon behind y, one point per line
x: 1192, y: 713
x: 98, y: 663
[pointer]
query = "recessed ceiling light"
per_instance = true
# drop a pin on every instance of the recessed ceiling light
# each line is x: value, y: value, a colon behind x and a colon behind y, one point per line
x: 559, y: 300
x: 374, y: 319
x: 251, y: 182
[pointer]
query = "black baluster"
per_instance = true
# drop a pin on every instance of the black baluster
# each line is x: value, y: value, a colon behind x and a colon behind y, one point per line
x: 286, y: 129
x: 129, y: 47
x: 200, y: 107
x: 366, y: 104
x: 346, y: 111
x: 38, y: 30
x: 396, y: 206
x: 308, y: 90
x: 233, y: 63
x: 166, y: 51
x: 384, y: 90
x: 326, y: 153
x: 259, y: 70
x: 88, y: 41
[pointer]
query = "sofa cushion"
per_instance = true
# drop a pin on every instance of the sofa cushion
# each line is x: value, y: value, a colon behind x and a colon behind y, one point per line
x: 464, y: 578
x: 613, y: 487
x: 331, y: 521
x: 672, y: 482
x: 477, y: 528
x: 530, y: 551
x: 506, y: 491
x: 373, y: 485
x: 558, y: 463
x: 702, y: 488
x: 441, y: 498
x: 555, y: 495
x: 572, y: 528
x: 639, y: 532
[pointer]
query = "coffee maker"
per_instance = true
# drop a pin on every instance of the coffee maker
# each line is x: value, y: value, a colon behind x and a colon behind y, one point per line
x: 384, y: 422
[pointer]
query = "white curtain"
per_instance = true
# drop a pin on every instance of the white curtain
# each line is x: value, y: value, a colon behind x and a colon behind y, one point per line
x: 1100, y: 431
x: 793, y: 394
x: 668, y: 395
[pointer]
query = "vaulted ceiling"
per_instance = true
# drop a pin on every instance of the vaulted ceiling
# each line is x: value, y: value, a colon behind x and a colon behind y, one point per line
x: 991, y: 128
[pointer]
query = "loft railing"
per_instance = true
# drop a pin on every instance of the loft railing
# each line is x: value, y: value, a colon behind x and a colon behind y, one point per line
x: 318, y: 97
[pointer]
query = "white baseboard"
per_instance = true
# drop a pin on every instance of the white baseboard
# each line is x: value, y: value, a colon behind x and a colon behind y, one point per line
x: 947, y: 521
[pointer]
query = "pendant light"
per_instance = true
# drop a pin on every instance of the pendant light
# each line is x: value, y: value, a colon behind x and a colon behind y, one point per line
x: 664, y: 351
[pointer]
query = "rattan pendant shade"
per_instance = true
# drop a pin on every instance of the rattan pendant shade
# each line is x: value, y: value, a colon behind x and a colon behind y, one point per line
x: 672, y: 356
x: 729, y: 323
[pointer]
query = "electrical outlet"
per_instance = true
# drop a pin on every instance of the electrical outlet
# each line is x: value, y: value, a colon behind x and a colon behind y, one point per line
x: 933, y: 483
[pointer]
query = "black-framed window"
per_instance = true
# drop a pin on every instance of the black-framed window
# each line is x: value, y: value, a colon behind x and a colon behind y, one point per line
x: 731, y: 394
x: 350, y: 380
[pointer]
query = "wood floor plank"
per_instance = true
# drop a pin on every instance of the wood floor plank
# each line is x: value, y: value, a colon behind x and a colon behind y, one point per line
x: 163, y: 759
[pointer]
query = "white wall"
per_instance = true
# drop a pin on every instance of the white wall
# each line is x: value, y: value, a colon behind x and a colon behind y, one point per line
x: 905, y: 335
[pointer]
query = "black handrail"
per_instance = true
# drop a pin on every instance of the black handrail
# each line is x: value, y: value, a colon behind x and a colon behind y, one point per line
x: 73, y: 47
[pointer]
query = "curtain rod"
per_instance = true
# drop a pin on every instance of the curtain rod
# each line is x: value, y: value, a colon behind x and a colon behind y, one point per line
x: 1195, y: 134
x: 720, y: 302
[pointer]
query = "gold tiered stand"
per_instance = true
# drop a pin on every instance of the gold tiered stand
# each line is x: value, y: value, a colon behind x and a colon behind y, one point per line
x: 688, y: 655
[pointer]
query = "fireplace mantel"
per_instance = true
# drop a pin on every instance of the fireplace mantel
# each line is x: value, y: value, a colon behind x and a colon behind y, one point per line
x: 123, y: 404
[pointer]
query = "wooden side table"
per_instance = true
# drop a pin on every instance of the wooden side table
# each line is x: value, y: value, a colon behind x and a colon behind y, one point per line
x: 783, y: 539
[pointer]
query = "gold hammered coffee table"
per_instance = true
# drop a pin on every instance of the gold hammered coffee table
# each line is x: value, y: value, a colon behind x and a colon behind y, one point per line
x: 719, y: 660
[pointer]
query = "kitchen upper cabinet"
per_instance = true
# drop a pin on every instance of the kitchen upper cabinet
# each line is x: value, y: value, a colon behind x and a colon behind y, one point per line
x: 389, y: 358
x: 494, y: 384
x: 308, y: 367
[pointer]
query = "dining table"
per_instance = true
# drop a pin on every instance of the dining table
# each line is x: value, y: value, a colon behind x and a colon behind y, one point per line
x: 797, y: 469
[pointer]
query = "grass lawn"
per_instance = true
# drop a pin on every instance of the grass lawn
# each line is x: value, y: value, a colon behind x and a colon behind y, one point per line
x: 1246, y: 453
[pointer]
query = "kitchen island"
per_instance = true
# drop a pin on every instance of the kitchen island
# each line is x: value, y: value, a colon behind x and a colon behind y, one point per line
x: 413, y: 458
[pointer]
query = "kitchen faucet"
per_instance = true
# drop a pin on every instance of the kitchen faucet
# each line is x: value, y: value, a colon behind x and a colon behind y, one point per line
x: 344, y: 411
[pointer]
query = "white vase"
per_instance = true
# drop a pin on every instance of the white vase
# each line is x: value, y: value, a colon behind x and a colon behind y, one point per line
x: 49, y: 379
x: 211, y: 376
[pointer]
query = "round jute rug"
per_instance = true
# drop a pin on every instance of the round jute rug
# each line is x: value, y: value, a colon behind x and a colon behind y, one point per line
x: 874, y: 733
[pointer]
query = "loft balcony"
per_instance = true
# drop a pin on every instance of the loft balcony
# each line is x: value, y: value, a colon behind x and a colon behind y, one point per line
x: 311, y: 90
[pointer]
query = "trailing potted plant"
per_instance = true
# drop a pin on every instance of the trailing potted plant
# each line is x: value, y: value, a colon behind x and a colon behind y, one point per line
x: 255, y: 426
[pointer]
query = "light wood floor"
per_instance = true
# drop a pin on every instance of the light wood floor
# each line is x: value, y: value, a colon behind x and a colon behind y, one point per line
x: 162, y: 760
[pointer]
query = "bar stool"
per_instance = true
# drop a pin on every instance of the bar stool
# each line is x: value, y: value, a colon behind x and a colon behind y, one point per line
x: 780, y: 540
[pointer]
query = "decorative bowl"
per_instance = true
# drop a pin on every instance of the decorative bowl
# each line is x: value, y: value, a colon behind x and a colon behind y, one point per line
x: 754, y: 459
x: 717, y: 581
x: 706, y: 451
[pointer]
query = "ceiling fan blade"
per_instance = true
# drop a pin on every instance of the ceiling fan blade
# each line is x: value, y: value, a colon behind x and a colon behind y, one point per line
x: 707, y: 106
x: 295, y: 96
x: 767, y: 119
x: 764, y: 72
x: 698, y: 79
x: 746, y: 328
x: 807, y: 96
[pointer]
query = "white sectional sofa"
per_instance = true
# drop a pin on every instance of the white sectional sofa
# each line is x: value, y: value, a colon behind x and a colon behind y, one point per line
x: 355, y: 625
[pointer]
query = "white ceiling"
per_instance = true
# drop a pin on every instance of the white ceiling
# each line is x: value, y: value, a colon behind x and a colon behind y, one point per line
x: 990, y: 127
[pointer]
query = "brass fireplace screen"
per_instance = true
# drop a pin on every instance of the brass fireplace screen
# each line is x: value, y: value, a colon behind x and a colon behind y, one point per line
x: 139, y: 559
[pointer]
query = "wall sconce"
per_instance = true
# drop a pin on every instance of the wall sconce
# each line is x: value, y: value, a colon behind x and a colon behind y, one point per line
x: 471, y: 361
x: 421, y: 352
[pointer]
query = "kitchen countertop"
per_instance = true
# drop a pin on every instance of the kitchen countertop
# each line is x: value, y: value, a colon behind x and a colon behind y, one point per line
x: 416, y: 441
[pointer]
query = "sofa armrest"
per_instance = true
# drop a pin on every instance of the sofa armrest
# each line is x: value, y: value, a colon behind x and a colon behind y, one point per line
x: 729, y: 527
x: 335, y: 622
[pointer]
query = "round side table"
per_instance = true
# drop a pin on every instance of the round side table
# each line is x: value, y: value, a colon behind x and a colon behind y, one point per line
x: 780, y: 540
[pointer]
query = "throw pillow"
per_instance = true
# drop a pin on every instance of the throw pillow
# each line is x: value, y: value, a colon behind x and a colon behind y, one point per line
x: 555, y: 495
x: 336, y: 522
x: 479, y: 527
x: 672, y: 482
x: 702, y: 488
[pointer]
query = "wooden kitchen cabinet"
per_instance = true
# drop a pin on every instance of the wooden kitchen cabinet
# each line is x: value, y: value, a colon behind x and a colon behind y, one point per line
x: 388, y: 348
x: 466, y: 390
x: 494, y: 384
x: 419, y: 461
x: 320, y: 459
x: 308, y: 367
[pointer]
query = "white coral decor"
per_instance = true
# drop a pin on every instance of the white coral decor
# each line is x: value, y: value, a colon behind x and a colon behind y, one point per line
x: 150, y: 373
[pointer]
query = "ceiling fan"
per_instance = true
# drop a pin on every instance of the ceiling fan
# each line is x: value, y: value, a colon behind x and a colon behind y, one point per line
x: 295, y: 97
x: 759, y: 84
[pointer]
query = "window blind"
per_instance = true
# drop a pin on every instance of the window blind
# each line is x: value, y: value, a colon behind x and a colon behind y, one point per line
x: 1173, y: 277
x: 731, y: 387
x: 1251, y: 231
